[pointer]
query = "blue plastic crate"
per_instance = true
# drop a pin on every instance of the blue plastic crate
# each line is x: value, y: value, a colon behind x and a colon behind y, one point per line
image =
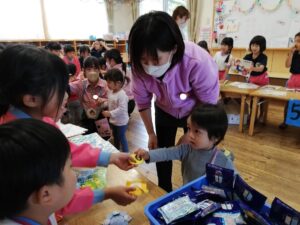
x: 151, y: 208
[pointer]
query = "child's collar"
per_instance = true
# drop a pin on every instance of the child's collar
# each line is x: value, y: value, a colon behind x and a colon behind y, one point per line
x: 26, y: 221
x: 18, y: 113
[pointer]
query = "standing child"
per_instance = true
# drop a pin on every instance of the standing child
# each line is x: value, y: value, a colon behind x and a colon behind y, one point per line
x: 36, y: 174
x: 258, y: 71
x: 293, y: 62
x: 92, y: 93
x: 117, y: 107
x: 84, y: 52
x: 207, y: 126
x: 70, y: 57
x: 224, y: 58
x: 114, y: 60
x: 33, y: 84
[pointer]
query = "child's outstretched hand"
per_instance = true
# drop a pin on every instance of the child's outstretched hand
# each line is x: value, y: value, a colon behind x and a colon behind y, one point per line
x: 106, y: 113
x: 121, y: 160
x: 120, y: 195
x: 142, y: 154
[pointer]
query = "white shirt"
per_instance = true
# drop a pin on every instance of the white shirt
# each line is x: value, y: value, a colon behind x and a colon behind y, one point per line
x: 220, y: 60
x: 118, y: 108
x: 11, y: 222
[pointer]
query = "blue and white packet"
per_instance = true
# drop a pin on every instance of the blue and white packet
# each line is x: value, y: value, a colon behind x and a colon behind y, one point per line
x: 248, y: 195
x: 281, y: 213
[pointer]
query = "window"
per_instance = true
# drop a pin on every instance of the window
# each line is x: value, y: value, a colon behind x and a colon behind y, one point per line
x: 146, y: 6
x: 75, y: 19
x: 172, y: 4
x: 21, y: 20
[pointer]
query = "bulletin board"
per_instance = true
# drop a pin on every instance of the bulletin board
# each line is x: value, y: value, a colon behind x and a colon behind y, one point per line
x: 277, y: 20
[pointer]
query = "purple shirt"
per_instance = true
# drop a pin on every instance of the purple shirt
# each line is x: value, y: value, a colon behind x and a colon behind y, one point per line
x: 195, y: 75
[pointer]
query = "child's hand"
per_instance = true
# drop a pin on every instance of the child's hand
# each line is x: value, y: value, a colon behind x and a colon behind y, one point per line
x: 120, y: 195
x: 293, y: 49
x: 142, y: 154
x: 106, y: 113
x: 121, y: 160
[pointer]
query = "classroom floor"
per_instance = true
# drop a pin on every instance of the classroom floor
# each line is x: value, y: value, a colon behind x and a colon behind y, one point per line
x: 269, y: 161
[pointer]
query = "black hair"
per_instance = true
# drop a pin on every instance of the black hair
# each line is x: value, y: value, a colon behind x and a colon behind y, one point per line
x: 84, y: 48
x: 2, y: 47
x: 297, y: 35
x: 228, y: 41
x: 100, y: 39
x: 151, y: 32
x: 26, y: 69
x: 211, y: 118
x: 180, y: 12
x: 91, y: 62
x: 259, y: 40
x: 53, y: 46
x: 203, y: 44
x: 116, y: 75
x: 71, y: 69
x: 115, y: 54
x: 68, y: 48
x: 32, y: 154
x: 102, y: 61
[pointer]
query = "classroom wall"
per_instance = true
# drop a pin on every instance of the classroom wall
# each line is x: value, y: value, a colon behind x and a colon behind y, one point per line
x: 206, y: 13
x: 122, y: 21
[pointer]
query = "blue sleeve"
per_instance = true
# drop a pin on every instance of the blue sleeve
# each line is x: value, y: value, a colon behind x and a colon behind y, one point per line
x: 166, y: 154
x: 98, y: 196
x: 104, y: 158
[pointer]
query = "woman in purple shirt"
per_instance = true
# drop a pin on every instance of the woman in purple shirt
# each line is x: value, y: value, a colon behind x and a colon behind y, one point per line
x: 180, y: 76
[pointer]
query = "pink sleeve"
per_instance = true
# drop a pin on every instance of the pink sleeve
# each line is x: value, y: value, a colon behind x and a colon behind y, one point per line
x: 82, y: 200
x: 77, y: 64
x: 76, y: 87
x: 83, y: 155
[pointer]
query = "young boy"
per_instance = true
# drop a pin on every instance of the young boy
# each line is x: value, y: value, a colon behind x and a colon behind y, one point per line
x: 207, y: 126
x: 35, y: 170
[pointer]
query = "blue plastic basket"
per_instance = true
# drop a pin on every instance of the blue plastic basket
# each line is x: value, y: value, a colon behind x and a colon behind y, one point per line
x: 151, y: 208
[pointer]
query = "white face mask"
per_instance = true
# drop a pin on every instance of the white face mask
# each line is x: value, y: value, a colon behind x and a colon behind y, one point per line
x: 92, y: 76
x: 158, y: 71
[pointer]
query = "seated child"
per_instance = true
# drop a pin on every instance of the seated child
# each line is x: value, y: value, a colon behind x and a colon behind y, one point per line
x: 36, y: 174
x: 207, y: 126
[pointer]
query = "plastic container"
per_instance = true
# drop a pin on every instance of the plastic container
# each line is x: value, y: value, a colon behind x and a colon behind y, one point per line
x: 151, y: 208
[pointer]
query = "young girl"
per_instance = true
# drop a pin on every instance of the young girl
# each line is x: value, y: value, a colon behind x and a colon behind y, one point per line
x: 293, y: 62
x: 38, y: 171
x: 203, y: 44
x: 114, y: 60
x: 92, y: 94
x: 33, y: 83
x: 117, y: 107
x: 224, y: 58
x: 258, y: 71
x: 70, y: 57
x: 207, y: 126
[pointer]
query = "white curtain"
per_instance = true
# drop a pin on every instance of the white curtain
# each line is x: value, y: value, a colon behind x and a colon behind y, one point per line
x: 75, y: 19
x: 146, y: 6
x: 21, y: 20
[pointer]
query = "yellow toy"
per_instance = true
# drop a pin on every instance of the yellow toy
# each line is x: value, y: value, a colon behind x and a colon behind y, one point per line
x: 140, y: 187
x: 135, y: 160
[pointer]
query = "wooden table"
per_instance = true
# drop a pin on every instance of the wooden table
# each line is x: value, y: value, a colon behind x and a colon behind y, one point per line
x: 261, y: 93
x: 97, y: 214
x: 227, y: 89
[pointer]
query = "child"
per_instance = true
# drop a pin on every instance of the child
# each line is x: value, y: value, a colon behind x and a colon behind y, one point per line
x: 103, y: 67
x: 99, y: 48
x: 293, y: 62
x: 207, y: 126
x: 33, y: 83
x: 117, y: 107
x: 114, y: 60
x: 36, y: 174
x: 54, y: 48
x: 224, y: 58
x: 71, y: 58
x: 258, y: 72
x: 92, y: 93
x: 203, y: 44
x: 84, y: 52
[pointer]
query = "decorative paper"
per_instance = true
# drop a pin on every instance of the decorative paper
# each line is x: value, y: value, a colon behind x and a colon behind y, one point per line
x: 270, y: 5
x: 245, y: 6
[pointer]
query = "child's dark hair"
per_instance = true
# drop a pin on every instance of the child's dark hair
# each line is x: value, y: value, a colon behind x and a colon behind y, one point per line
x: 91, y: 62
x: 115, y: 54
x: 27, y: 69
x: 203, y: 44
x: 84, y: 48
x: 259, y: 40
x: 180, y: 12
x: 68, y: 48
x: 53, y: 46
x: 102, y: 61
x: 151, y: 32
x: 228, y: 41
x: 116, y: 75
x: 297, y: 35
x: 32, y: 154
x: 211, y: 118
x: 71, y: 69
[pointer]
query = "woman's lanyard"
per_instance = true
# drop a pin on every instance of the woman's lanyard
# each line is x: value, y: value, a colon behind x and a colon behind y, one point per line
x: 26, y: 221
